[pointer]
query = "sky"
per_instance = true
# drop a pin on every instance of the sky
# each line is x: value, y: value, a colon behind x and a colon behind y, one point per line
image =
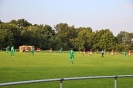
x: 115, y: 15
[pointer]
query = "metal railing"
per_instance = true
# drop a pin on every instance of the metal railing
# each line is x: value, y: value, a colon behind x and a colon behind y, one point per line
x: 66, y: 79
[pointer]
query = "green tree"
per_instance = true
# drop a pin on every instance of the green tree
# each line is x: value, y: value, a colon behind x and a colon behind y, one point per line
x: 15, y: 31
x: 23, y: 23
x: 62, y: 33
x: 1, y: 22
x: 124, y: 41
x: 39, y: 36
x: 107, y: 40
x: 83, y: 39
x: 3, y: 34
x: 124, y: 38
x: 96, y: 39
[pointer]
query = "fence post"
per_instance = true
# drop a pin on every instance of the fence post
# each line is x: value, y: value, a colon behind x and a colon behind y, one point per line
x: 115, y: 84
x: 61, y: 82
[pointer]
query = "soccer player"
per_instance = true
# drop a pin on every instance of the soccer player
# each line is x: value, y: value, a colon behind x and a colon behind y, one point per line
x: 7, y: 49
x: 129, y: 53
x: 90, y: 53
x: 12, y: 50
x: 32, y: 50
x: 50, y: 50
x: 60, y: 50
x: 112, y: 52
x: 102, y: 53
x: 84, y: 51
x: 26, y: 48
x: 125, y: 55
x: 71, y: 56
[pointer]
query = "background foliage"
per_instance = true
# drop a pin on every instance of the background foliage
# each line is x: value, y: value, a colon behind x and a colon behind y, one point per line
x: 21, y: 32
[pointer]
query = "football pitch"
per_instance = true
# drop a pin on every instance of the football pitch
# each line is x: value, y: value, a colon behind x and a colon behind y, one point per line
x: 43, y: 65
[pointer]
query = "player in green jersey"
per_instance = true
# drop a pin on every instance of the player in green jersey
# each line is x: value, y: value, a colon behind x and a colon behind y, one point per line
x: 71, y: 56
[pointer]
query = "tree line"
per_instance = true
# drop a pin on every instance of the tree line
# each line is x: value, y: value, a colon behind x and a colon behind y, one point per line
x: 21, y: 32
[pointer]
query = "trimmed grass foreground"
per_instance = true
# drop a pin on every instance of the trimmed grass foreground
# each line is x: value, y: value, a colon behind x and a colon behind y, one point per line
x: 42, y: 65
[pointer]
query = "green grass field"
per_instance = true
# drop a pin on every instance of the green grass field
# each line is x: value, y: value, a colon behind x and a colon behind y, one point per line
x: 42, y: 65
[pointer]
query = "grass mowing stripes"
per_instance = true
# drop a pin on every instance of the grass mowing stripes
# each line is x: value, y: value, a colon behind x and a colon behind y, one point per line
x: 24, y: 67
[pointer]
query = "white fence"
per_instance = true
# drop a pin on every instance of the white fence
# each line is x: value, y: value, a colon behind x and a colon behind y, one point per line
x: 66, y: 79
